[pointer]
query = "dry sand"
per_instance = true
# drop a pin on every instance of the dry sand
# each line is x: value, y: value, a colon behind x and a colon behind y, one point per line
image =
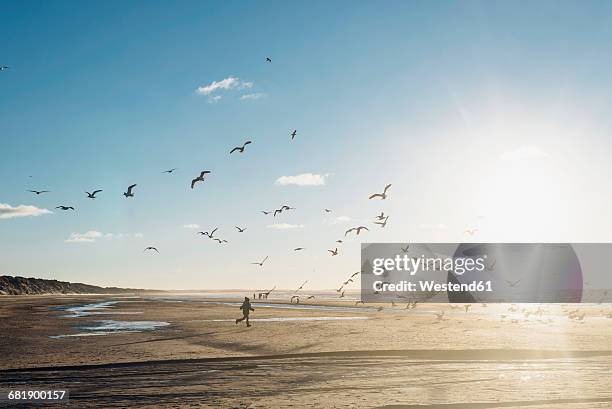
x: 357, y: 357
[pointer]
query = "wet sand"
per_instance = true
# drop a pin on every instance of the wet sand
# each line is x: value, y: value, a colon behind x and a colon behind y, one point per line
x: 339, y: 355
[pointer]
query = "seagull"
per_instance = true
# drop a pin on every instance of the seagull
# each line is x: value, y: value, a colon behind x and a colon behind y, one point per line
x: 265, y: 212
x: 150, y: 248
x: 38, y: 192
x: 293, y: 134
x: 355, y: 274
x: 262, y: 262
x: 4, y: 67
x: 339, y: 241
x: 340, y: 289
x: 470, y: 232
x: 169, y: 170
x: 221, y: 241
x: 300, y: 287
x: 405, y: 250
x: 383, y: 224
x: 92, y: 195
x: 334, y: 252
x: 130, y: 191
x: 310, y: 297
x: 382, y: 195
x: 199, y: 178
x: 381, y: 216
x: 65, y: 207
x: 240, y: 230
x: 299, y: 248
x: 205, y: 233
x: 268, y: 59
x: 350, y: 280
x: 327, y: 210
x: 356, y: 229
x: 240, y: 148
x: 342, y: 294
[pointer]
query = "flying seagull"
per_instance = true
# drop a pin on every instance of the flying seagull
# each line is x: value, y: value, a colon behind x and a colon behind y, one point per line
x: 299, y: 248
x: 65, y: 207
x: 205, y: 233
x: 382, y: 195
x: 405, y: 250
x: 262, y: 262
x: 334, y: 252
x: 4, y: 67
x: 356, y: 229
x: 268, y: 59
x: 130, y: 191
x: 293, y: 134
x: 150, y: 248
x: 199, y: 178
x: 300, y: 287
x: 339, y: 241
x: 327, y: 210
x: 355, y: 274
x: 39, y: 191
x: 92, y: 195
x: 470, y: 232
x: 381, y: 216
x: 513, y: 284
x: 169, y: 170
x: 383, y: 224
x: 265, y: 212
x: 240, y: 230
x: 221, y: 241
x: 240, y: 148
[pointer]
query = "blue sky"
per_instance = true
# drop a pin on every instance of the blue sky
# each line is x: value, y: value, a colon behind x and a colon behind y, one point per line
x: 488, y: 115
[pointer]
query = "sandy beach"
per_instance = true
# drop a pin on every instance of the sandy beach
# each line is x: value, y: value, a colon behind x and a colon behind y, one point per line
x: 186, y: 351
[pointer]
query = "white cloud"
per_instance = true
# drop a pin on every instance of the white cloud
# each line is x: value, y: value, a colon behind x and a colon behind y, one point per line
x: 8, y: 212
x: 253, y: 96
x: 524, y: 152
x: 304, y: 179
x: 213, y: 89
x: 191, y: 226
x: 88, y: 237
x: 92, y: 236
x: 337, y: 220
x: 285, y: 226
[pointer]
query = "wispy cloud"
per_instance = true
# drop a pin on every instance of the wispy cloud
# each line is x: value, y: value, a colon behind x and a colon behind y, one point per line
x: 191, y: 226
x: 92, y: 236
x: 213, y: 89
x: 8, y: 212
x: 304, y: 179
x: 285, y: 226
x: 257, y: 95
x: 88, y: 237
x: 524, y: 152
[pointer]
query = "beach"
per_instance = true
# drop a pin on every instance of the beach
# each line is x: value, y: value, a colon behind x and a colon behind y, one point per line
x: 176, y: 350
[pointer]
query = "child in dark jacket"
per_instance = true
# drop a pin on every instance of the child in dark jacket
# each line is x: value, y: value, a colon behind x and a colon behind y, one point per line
x: 246, y: 309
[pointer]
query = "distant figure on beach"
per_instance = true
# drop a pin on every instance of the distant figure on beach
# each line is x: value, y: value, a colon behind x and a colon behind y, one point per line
x: 246, y: 309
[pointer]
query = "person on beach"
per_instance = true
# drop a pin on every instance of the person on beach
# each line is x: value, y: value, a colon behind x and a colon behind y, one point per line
x: 246, y: 309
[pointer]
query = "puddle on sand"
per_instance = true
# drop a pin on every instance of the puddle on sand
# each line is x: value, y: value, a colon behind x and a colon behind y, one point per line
x: 282, y: 319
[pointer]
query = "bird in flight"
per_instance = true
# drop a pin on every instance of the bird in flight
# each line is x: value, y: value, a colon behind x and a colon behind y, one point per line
x: 240, y: 230
x: 300, y: 287
x: 262, y: 262
x: 38, y: 192
x: 383, y: 224
x: 405, y: 250
x: 220, y: 241
x: 355, y: 274
x: 205, y: 233
x: 4, y: 67
x: 199, y: 178
x: 327, y: 210
x: 293, y: 134
x: 381, y: 216
x: 339, y: 241
x: 265, y: 212
x: 93, y: 194
x: 150, y: 248
x: 513, y: 284
x: 334, y: 252
x: 268, y: 59
x: 65, y: 207
x: 356, y: 229
x: 470, y: 232
x: 169, y: 170
x: 130, y: 191
x: 240, y: 148
x: 382, y: 195
x: 299, y: 248
x: 342, y: 294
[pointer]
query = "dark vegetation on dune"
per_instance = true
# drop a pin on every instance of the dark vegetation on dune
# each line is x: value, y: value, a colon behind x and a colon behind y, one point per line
x: 10, y: 285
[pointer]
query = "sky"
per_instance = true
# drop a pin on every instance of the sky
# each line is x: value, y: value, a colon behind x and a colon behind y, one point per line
x: 483, y: 115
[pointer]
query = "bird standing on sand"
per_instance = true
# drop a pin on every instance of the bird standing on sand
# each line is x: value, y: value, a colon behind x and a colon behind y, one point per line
x: 150, y: 248
x: 240, y: 148
x: 93, y: 194
x: 199, y: 178
x: 130, y: 191
x: 382, y: 195
x: 65, y: 207
x: 262, y: 262
x: 38, y: 192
